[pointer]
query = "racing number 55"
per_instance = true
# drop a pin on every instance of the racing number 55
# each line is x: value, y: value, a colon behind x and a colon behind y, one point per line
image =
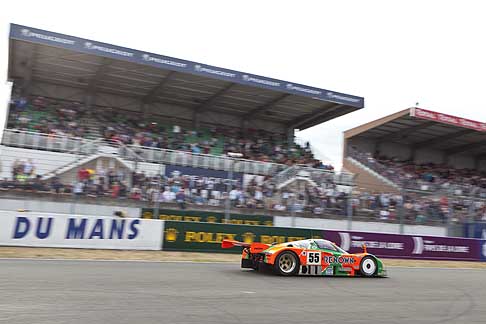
x: 313, y: 258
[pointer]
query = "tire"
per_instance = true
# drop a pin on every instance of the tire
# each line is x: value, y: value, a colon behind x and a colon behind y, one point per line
x: 368, y: 267
x: 287, y: 264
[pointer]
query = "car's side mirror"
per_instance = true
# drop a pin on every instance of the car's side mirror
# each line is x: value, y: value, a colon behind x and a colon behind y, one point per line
x: 364, y: 248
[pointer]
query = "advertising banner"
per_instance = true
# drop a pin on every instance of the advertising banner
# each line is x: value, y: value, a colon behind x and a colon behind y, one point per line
x: 72, y: 43
x: 96, y: 232
x: 207, y: 217
x: 448, y: 119
x: 207, y: 237
x: 407, y: 246
x: 216, y: 176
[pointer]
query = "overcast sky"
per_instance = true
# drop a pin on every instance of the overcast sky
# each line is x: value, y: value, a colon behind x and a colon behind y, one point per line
x: 392, y: 53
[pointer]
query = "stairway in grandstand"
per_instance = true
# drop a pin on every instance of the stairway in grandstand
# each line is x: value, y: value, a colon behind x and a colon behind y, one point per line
x: 365, y: 174
x: 314, y: 177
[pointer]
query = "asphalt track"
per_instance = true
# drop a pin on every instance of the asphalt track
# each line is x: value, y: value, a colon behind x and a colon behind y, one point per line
x: 176, y: 292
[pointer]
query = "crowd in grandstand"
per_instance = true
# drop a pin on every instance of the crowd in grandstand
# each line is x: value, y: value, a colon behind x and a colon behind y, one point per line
x: 62, y: 118
x: 187, y: 192
x: 425, y: 176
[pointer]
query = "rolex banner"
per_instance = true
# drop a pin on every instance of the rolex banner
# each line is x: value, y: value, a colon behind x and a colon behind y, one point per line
x: 207, y: 217
x: 207, y: 237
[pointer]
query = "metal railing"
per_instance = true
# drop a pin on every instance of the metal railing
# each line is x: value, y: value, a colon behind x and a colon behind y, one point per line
x: 207, y: 161
x: 76, y: 145
x: 82, y: 146
x: 48, y: 142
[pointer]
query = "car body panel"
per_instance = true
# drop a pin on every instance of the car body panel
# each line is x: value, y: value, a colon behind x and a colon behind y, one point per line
x: 325, y: 258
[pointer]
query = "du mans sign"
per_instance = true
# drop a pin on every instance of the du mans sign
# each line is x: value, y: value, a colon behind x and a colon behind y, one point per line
x: 75, y: 231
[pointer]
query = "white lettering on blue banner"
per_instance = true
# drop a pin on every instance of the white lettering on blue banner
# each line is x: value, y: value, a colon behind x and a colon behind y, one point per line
x: 203, y: 69
x: 149, y: 58
x: 249, y: 78
x: 59, y: 230
x: 291, y: 86
x: 28, y: 33
x: 115, y: 51
x: 332, y: 95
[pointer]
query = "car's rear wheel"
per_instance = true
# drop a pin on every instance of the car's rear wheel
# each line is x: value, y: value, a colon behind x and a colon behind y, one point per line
x: 368, y: 266
x: 287, y: 264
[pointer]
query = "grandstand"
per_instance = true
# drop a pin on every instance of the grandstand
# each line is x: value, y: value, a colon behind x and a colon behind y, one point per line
x: 92, y: 118
x: 431, y: 155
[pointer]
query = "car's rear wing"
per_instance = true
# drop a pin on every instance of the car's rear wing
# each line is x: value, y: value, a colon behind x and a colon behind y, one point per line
x: 255, y: 247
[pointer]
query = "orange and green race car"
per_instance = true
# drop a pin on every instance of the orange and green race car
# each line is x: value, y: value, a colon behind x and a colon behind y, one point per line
x: 308, y: 257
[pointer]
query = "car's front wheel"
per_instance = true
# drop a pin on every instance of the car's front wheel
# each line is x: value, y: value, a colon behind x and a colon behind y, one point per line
x: 368, y: 266
x: 287, y: 264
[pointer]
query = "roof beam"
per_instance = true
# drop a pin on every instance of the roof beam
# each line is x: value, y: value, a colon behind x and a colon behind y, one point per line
x: 208, y: 102
x: 442, y: 139
x: 315, y: 114
x: 466, y: 147
x: 404, y: 132
x: 265, y: 107
x: 155, y: 90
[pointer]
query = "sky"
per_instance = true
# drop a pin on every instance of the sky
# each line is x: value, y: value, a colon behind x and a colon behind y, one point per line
x: 393, y: 53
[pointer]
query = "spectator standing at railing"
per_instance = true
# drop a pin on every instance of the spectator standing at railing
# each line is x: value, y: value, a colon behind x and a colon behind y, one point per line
x: 78, y: 189
x: 181, y: 199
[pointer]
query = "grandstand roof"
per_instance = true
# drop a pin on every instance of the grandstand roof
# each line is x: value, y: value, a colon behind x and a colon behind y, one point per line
x: 423, y: 128
x: 104, y: 68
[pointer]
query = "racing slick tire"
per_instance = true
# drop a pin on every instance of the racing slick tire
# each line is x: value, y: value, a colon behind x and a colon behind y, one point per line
x: 287, y: 264
x: 368, y: 267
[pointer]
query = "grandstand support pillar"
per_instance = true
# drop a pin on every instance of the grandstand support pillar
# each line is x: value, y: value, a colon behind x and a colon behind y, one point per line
x: 290, y: 136
x: 196, y: 120
x: 144, y: 107
x: 413, y: 154
x: 244, y: 125
x: 89, y: 99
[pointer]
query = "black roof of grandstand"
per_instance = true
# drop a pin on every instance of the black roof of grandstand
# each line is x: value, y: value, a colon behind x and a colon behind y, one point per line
x: 59, y: 59
x: 426, y: 129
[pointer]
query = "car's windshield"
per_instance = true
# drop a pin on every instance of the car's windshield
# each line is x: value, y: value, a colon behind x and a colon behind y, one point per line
x: 303, y: 244
x: 339, y: 249
x: 328, y: 245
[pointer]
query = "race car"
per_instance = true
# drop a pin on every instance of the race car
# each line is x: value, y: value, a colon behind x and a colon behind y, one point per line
x: 308, y: 257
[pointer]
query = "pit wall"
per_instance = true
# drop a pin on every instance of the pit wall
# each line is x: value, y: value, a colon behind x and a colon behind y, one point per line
x: 99, y: 232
